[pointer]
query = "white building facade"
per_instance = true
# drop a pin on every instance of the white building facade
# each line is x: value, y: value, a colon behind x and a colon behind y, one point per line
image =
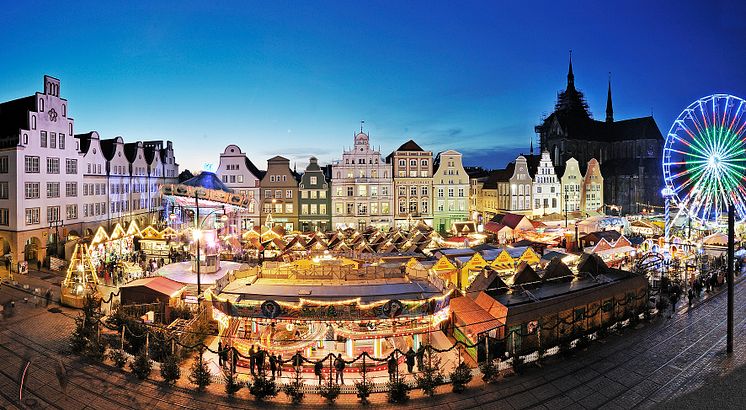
x: 362, y: 188
x: 546, y: 188
x: 55, y: 184
x: 237, y: 172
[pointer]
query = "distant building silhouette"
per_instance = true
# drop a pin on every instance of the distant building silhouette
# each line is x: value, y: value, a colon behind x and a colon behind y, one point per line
x: 628, y: 151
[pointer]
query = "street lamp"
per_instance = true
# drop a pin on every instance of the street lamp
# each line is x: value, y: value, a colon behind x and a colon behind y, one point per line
x: 197, y: 235
x: 566, y: 198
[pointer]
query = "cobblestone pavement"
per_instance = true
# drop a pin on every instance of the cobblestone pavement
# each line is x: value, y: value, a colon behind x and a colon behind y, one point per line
x: 673, y: 363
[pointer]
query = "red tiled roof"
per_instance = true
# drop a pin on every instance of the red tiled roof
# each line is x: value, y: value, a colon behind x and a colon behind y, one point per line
x: 158, y: 284
x: 476, y: 319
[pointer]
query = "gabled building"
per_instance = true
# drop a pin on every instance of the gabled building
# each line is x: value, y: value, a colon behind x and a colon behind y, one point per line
x: 413, y: 184
x: 56, y: 185
x: 279, y: 195
x: 238, y: 173
x: 572, y: 183
x: 546, y: 188
x: 451, y: 191
x: 315, y: 199
x: 592, y: 200
x: 362, y: 188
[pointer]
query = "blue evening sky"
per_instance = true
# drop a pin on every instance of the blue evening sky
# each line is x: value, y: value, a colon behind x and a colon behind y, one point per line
x: 294, y: 78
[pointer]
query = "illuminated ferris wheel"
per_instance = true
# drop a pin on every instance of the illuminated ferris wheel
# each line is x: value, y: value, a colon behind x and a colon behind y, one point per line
x: 704, y: 159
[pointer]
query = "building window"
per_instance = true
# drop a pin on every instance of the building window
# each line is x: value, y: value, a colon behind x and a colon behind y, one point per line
x: 423, y: 190
x: 423, y: 163
x: 314, y: 180
x: 32, y: 216
x: 461, y: 192
x: 268, y: 193
x: 450, y: 192
x: 31, y: 165
x: 53, y: 189
x: 61, y: 136
x: 71, y: 166
x: 304, y: 209
x: 288, y: 208
x: 350, y: 191
x: 71, y: 189
x: 3, y: 165
x: 4, y: 216
x: 288, y: 193
x: 402, y: 163
x: 240, y: 179
x: 53, y: 213
x: 52, y: 140
x: 3, y: 190
x: 53, y: 165
x: 72, y: 211
x: 43, y: 139
x: 413, y: 190
x: 31, y: 190
x: 278, y: 193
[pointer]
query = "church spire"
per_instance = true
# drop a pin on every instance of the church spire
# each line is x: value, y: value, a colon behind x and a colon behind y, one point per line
x: 609, y: 108
x: 570, y: 75
x: 531, y: 150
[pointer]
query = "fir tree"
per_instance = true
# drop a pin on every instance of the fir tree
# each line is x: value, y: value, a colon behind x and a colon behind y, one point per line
x: 170, y: 370
x: 199, y: 374
x: 430, y: 376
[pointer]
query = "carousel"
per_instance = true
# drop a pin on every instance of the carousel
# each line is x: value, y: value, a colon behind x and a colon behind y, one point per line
x: 327, y: 304
x: 204, y: 208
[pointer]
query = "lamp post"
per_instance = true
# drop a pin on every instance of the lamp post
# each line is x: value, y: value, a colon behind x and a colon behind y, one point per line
x: 566, y: 198
x: 197, y: 235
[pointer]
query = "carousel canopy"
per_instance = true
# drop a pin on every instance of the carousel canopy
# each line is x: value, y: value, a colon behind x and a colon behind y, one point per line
x: 208, y: 189
x: 207, y: 180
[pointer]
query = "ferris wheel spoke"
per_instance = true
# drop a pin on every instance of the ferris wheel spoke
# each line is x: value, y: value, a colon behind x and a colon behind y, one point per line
x: 688, y: 153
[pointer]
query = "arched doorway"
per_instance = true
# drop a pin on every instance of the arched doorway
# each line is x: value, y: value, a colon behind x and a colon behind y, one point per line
x: 31, y: 249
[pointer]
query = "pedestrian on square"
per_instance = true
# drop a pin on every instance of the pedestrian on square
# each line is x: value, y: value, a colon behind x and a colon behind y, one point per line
x: 420, y: 356
x: 279, y: 365
x: 261, y: 356
x: 339, y: 365
x: 691, y: 297
x: 38, y: 265
x: 392, y: 367
x: 252, y: 360
x: 674, y: 301
x: 221, y: 362
x: 410, y: 360
x: 47, y: 296
x: 317, y: 370
x: 273, y: 365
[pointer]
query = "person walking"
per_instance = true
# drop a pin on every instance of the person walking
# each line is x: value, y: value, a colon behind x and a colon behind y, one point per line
x: 691, y: 297
x: 47, y: 297
x: 252, y: 360
x: 420, y: 356
x: 279, y: 365
x: 411, y: 355
x: 273, y: 365
x: 317, y: 367
x: 261, y: 356
x: 339, y: 365
x: 392, y: 368
x: 221, y: 362
x: 674, y: 301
